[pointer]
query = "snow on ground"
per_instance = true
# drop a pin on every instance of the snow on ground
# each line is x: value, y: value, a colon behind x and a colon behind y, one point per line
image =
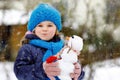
x: 106, y: 70
x: 107, y: 73
x: 6, y: 71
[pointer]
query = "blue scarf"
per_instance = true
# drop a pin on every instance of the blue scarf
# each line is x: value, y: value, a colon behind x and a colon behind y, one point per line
x: 52, y: 47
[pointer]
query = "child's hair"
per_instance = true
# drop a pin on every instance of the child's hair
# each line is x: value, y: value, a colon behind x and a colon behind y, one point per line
x: 43, y: 12
x: 24, y: 40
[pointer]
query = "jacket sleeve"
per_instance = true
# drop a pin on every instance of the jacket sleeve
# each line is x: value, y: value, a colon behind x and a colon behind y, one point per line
x: 81, y: 75
x: 25, y: 66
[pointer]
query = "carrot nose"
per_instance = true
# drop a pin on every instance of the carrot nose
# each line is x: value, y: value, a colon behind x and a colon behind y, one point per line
x: 67, y: 38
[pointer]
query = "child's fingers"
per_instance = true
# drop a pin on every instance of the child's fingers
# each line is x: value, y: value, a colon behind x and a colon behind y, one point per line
x: 72, y: 75
x: 51, y: 77
x: 53, y: 64
x: 76, y: 76
x: 77, y: 65
x: 77, y: 69
x: 46, y: 65
x: 53, y: 73
x: 53, y: 69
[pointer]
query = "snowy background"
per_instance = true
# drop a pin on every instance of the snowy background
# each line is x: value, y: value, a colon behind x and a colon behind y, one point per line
x: 105, y: 70
x: 6, y: 71
x: 84, y: 12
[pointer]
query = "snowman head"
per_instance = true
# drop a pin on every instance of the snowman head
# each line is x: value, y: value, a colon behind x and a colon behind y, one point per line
x: 75, y: 42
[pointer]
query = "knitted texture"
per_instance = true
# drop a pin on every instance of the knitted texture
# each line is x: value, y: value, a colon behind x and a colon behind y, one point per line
x: 52, y: 47
x: 44, y: 12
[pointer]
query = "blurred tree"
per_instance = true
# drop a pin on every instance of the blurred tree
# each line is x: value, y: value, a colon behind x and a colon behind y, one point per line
x: 4, y: 38
x: 95, y: 27
x: 113, y: 11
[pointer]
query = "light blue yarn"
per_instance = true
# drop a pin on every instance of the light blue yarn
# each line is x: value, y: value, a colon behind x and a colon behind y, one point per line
x: 52, y: 47
x: 44, y: 12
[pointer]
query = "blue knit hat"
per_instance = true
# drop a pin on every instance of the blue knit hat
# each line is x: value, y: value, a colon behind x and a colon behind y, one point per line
x: 44, y: 12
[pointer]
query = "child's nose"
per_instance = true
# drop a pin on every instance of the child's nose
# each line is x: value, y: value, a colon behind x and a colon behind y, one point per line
x: 45, y: 28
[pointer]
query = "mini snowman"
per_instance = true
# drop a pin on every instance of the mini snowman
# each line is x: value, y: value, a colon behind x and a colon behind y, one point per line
x: 69, y: 56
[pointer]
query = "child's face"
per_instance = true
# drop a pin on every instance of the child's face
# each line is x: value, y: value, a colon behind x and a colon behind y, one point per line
x: 45, y: 30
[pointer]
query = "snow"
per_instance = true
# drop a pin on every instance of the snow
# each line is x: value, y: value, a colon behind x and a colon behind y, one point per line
x: 105, y: 70
x: 107, y: 73
x: 91, y: 48
x: 6, y: 71
x: 13, y: 17
x: 116, y: 34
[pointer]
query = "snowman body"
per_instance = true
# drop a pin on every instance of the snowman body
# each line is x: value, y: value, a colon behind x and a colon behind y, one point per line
x: 66, y: 64
x: 69, y: 57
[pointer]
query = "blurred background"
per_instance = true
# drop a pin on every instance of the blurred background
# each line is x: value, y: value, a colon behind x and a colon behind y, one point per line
x: 96, y: 21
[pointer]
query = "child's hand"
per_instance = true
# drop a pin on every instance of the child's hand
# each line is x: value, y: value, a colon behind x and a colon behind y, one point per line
x: 77, y: 71
x: 51, y: 69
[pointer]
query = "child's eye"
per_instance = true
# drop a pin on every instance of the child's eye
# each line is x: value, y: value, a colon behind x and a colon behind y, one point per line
x: 50, y: 25
x: 40, y: 26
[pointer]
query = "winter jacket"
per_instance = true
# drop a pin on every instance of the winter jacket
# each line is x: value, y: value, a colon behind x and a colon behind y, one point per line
x: 28, y: 64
